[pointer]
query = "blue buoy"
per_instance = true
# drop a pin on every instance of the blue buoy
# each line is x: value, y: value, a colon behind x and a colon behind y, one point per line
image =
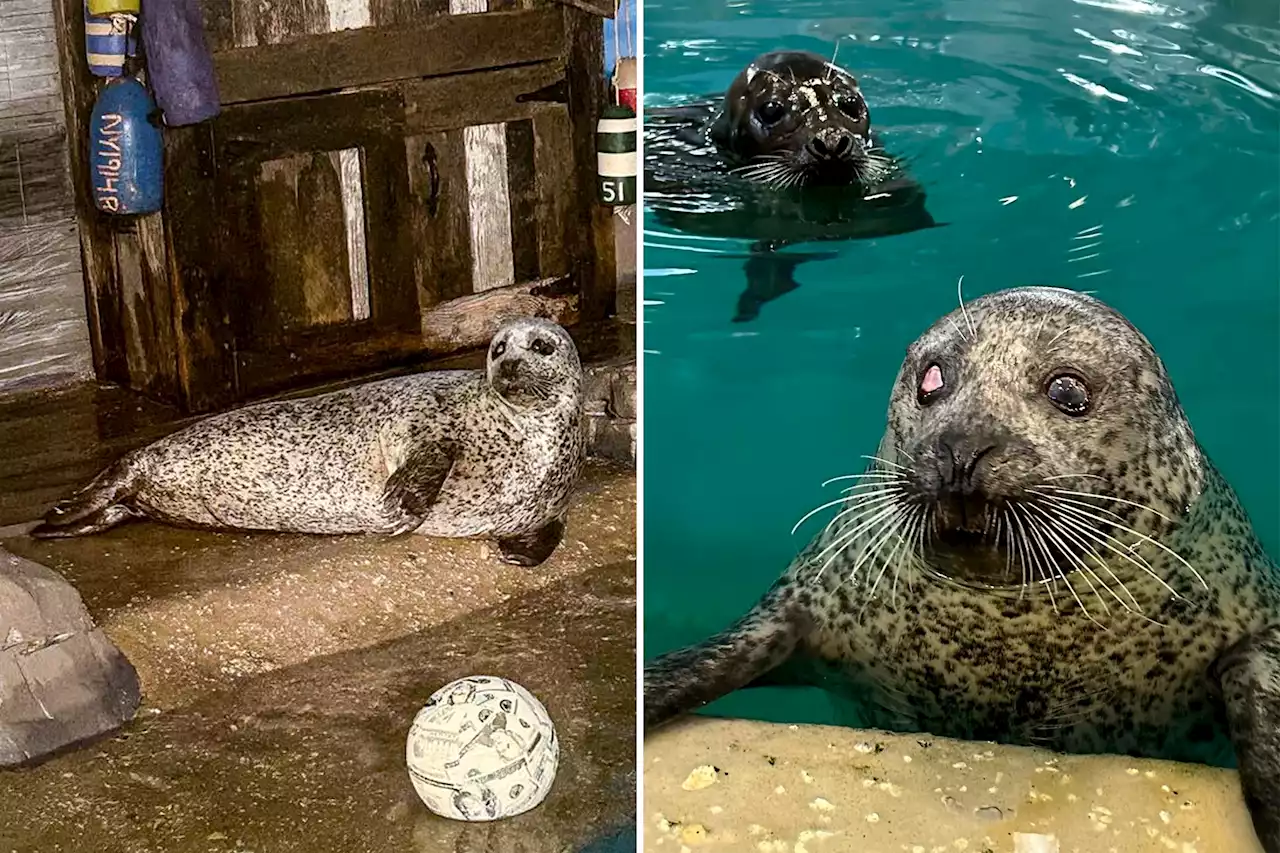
x: 126, y: 152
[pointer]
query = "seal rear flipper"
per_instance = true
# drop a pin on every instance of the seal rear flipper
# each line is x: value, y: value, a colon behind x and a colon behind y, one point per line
x: 533, y: 549
x: 103, y: 503
x: 685, y: 680
x: 1249, y: 675
x: 414, y: 486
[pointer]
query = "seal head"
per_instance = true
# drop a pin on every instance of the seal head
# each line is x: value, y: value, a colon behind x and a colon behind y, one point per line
x: 791, y: 118
x: 533, y: 363
x: 1019, y: 446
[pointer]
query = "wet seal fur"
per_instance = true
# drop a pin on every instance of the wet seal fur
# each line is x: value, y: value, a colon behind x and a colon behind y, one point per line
x: 1039, y: 553
x: 787, y: 155
x: 459, y: 453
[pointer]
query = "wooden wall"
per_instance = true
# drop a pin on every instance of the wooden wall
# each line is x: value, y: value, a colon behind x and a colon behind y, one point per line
x: 44, y: 337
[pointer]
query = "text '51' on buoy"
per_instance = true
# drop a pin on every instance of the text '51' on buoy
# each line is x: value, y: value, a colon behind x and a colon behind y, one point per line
x: 616, y: 156
x: 126, y: 152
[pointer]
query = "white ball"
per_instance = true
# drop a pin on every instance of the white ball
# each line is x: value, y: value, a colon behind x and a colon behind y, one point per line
x: 482, y: 748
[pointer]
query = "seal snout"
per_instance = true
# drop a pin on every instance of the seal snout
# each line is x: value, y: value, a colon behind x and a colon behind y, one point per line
x: 832, y: 145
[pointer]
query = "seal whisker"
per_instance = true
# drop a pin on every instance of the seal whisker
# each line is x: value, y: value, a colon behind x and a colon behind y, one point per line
x: 964, y: 312
x: 858, y: 500
x: 867, y: 474
x: 1050, y: 578
x: 1042, y: 533
x: 1116, y: 547
x: 902, y: 468
x: 845, y: 539
x: 873, y: 549
x: 1074, y: 557
x: 1141, y: 536
x: 1073, y: 526
x: 1125, y: 501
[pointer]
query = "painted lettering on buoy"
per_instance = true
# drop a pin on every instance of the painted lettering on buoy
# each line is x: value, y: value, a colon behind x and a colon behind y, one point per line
x: 108, y: 162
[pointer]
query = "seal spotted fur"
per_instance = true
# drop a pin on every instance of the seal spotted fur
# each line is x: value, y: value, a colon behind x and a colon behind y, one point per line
x: 465, y: 453
x: 787, y: 155
x: 1040, y: 553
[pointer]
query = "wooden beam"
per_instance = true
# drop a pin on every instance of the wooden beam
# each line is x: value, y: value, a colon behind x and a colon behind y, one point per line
x: 487, y: 97
x: 471, y: 321
x: 447, y: 45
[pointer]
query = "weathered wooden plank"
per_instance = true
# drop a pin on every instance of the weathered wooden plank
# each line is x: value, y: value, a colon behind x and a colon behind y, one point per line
x: 198, y: 251
x: 442, y: 237
x: 43, y: 336
x: 446, y: 44
x: 97, y: 250
x: 351, y: 176
x: 490, y: 206
x: 523, y: 193
x: 276, y: 129
x: 441, y: 103
x: 554, y: 159
x: 301, y: 224
x: 349, y: 14
x: 471, y: 321
x: 384, y: 13
x: 590, y: 248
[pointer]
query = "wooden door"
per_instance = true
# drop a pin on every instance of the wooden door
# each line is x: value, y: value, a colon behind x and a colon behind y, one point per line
x: 362, y: 193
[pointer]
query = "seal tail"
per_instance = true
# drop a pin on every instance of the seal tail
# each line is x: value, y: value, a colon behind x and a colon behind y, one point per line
x: 98, y: 506
x: 684, y: 680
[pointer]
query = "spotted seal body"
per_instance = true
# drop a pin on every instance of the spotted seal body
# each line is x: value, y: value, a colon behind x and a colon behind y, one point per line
x: 787, y: 155
x: 1040, y: 553
x: 468, y: 453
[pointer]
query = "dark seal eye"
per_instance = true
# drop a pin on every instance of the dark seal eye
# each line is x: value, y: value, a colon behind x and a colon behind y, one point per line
x: 541, y: 347
x: 1069, y: 393
x: 771, y: 112
x: 931, y: 385
x: 499, y: 349
x: 850, y: 105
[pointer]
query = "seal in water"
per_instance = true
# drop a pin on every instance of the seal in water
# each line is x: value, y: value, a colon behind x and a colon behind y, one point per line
x: 786, y: 156
x: 458, y: 453
x: 1039, y: 553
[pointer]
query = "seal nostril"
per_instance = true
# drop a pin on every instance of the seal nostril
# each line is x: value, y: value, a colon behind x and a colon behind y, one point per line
x: 820, y: 147
x: 843, y: 146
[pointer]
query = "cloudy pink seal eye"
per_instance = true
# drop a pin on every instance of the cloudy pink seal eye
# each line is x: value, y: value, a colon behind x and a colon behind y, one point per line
x: 930, y: 384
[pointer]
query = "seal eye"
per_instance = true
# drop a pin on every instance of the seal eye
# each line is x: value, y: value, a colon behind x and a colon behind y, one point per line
x: 771, y: 112
x: 499, y: 349
x: 931, y: 385
x: 850, y: 105
x: 1069, y: 393
x: 541, y: 347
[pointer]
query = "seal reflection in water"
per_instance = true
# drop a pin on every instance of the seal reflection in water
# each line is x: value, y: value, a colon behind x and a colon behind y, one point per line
x: 459, y: 453
x: 786, y: 156
x: 1038, y: 553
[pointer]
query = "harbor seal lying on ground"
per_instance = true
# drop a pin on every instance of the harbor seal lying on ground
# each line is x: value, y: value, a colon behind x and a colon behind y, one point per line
x: 1039, y: 553
x: 461, y: 453
x: 786, y: 156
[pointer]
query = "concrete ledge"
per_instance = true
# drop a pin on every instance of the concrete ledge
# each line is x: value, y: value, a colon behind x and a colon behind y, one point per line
x: 774, y: 788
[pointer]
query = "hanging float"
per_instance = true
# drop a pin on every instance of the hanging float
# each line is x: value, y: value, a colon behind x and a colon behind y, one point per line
x: 126, y: 153
x: 179, y: 63
x: 109, y: 37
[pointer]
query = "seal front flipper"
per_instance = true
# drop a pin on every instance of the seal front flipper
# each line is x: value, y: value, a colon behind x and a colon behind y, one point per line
x: 100, y: 505
x: 533, y: 549
x: 414, y: 486
x: 685, y: 680
x: 769, y: 276
x: 1249, y: 675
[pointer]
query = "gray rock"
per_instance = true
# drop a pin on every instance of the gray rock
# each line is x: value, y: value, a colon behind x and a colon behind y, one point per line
x: 61, y: 680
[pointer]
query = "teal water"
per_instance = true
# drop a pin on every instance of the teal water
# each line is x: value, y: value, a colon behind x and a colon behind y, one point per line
x: 1124, y: 147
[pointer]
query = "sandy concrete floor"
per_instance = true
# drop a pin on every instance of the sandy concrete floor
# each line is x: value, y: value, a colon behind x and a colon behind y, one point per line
x: 767, y: 788
x: 280, y: 675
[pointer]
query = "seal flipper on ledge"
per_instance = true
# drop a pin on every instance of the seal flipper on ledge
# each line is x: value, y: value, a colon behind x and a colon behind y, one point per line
x: 1249, y: 674
x: 533, y: 549
x: 686, y: 679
